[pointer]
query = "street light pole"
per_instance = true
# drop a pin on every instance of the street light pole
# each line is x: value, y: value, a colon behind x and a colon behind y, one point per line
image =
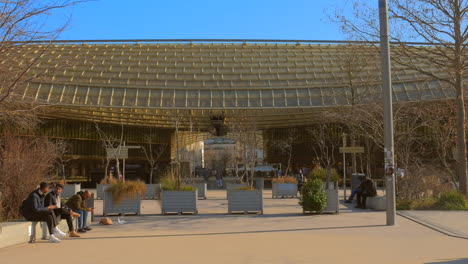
x: 388, y: 111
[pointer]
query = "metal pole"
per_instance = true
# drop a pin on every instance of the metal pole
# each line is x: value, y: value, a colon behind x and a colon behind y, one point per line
x: 344, y: 166
x: 388, y: 111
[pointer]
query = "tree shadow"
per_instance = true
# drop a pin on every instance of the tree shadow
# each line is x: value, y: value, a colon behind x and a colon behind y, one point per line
x: 454, y: 261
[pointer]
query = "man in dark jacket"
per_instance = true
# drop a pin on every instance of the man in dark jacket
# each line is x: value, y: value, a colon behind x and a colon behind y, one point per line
x: 368, y: 189
x: 34, y: 209
x: 54, y: 198
x: 77, y: 203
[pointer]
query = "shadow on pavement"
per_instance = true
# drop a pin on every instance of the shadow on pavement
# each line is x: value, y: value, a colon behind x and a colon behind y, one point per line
x: 235, y: 233
x: 455, y: 261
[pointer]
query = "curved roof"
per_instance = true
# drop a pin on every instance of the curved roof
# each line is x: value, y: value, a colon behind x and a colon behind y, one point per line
x: 144, y: 84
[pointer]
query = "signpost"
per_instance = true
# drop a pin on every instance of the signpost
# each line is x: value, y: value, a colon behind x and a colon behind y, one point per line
x: 351, y: 150
x: 120, y: 152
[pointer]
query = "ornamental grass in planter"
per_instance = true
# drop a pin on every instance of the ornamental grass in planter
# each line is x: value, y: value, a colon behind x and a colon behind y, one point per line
x: 124, y: 197
x: 284, y: 187
x: 177, y: 197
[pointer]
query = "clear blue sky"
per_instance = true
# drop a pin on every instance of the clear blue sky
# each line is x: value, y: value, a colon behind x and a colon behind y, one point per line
x: 240, y: 19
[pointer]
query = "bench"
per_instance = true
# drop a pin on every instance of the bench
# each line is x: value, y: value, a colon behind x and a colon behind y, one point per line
x: 43, y: 225
x: 378, y: 203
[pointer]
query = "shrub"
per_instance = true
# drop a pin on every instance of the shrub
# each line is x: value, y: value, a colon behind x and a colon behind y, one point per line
x: 404, y: 205
x: 25, y: 162
x: 127, y: 188
x: 313, y: 198
x: 285, y: 179
x: 452, y: 201
x: 321, y: 173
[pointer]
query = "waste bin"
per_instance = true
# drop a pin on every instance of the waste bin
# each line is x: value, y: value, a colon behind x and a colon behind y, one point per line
x: 259, y: 183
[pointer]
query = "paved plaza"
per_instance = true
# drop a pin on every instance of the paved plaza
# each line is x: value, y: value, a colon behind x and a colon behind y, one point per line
x: 281, y: 235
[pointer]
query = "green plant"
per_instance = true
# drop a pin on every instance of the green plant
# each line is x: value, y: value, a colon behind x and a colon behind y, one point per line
x: 127, y: 188
x: 452, y: 201
x: 313, y: 198
x: 169, y: 183
x: 321, y: 173
x: 404, y: 205
x: 285, y: 179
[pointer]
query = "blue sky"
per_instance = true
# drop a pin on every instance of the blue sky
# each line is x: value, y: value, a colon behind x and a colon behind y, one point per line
x: 239, y: 19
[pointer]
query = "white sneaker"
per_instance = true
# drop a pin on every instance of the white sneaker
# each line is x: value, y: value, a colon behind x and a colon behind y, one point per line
x: 59, y: 233
x: 54, y: 239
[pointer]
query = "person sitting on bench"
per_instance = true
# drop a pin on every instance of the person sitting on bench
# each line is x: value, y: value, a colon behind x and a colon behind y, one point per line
x: 54, y: 198
x: 34, y: 209
x: 355, y: 191
x: 77, y: 203
x: 368, y: 189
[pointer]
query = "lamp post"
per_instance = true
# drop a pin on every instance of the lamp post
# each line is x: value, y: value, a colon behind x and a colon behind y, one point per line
x: 388, y: 111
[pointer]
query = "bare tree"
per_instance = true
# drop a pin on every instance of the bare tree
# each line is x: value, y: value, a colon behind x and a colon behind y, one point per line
x: 23, y: 21
x: 113, y: 145
x: 24, y: 163
x: 153, y: 153
x: 62, y: 160
x: 286, y: 147
x: 443, y: 25
x: 326, y: 140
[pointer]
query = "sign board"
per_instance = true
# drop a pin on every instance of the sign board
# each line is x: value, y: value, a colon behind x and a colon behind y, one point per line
x: 351, y: 149
x: 117, y: 153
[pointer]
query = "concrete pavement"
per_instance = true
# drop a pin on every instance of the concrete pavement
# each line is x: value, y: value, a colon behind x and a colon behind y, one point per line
x: 282, y: 235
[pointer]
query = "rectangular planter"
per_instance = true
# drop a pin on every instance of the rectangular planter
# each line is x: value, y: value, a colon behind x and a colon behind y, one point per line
x: 333, y: 203
x: 260, y: 183
x: 281, y: 190
x: 152, y: 191
x: 127, y: 205
x: 245, y: 201
x: 179, y: 202
x: 201, y: 188
x: 70, y: 189
x: 100, y: 190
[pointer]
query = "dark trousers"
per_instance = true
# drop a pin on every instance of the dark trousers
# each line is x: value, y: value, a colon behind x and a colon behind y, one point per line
x: 48, y: 217
x: 64, y: 214
x: 361, y: 199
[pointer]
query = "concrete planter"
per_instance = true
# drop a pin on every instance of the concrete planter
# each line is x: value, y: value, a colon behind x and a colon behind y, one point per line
x: 245, y: 201
x: 18, y: 232
x: 70, y: 189
x: 179, y: 202
x: 202, y: 189
x: 378, y: 203
x: 233, y: 186
x: 127, y: 205
x: 100, y: 190
x: 13, y: 233
x: 281, y: 190
x: 152, y: 191
x: 333, y: 203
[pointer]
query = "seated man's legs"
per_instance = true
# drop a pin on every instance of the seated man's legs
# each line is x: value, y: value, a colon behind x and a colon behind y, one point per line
x: 63, y: 213
x: 81, y: 224
x: 353, y: 194
x: 48, y: 217
x: 359, y: 199
x: 363, y: 202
